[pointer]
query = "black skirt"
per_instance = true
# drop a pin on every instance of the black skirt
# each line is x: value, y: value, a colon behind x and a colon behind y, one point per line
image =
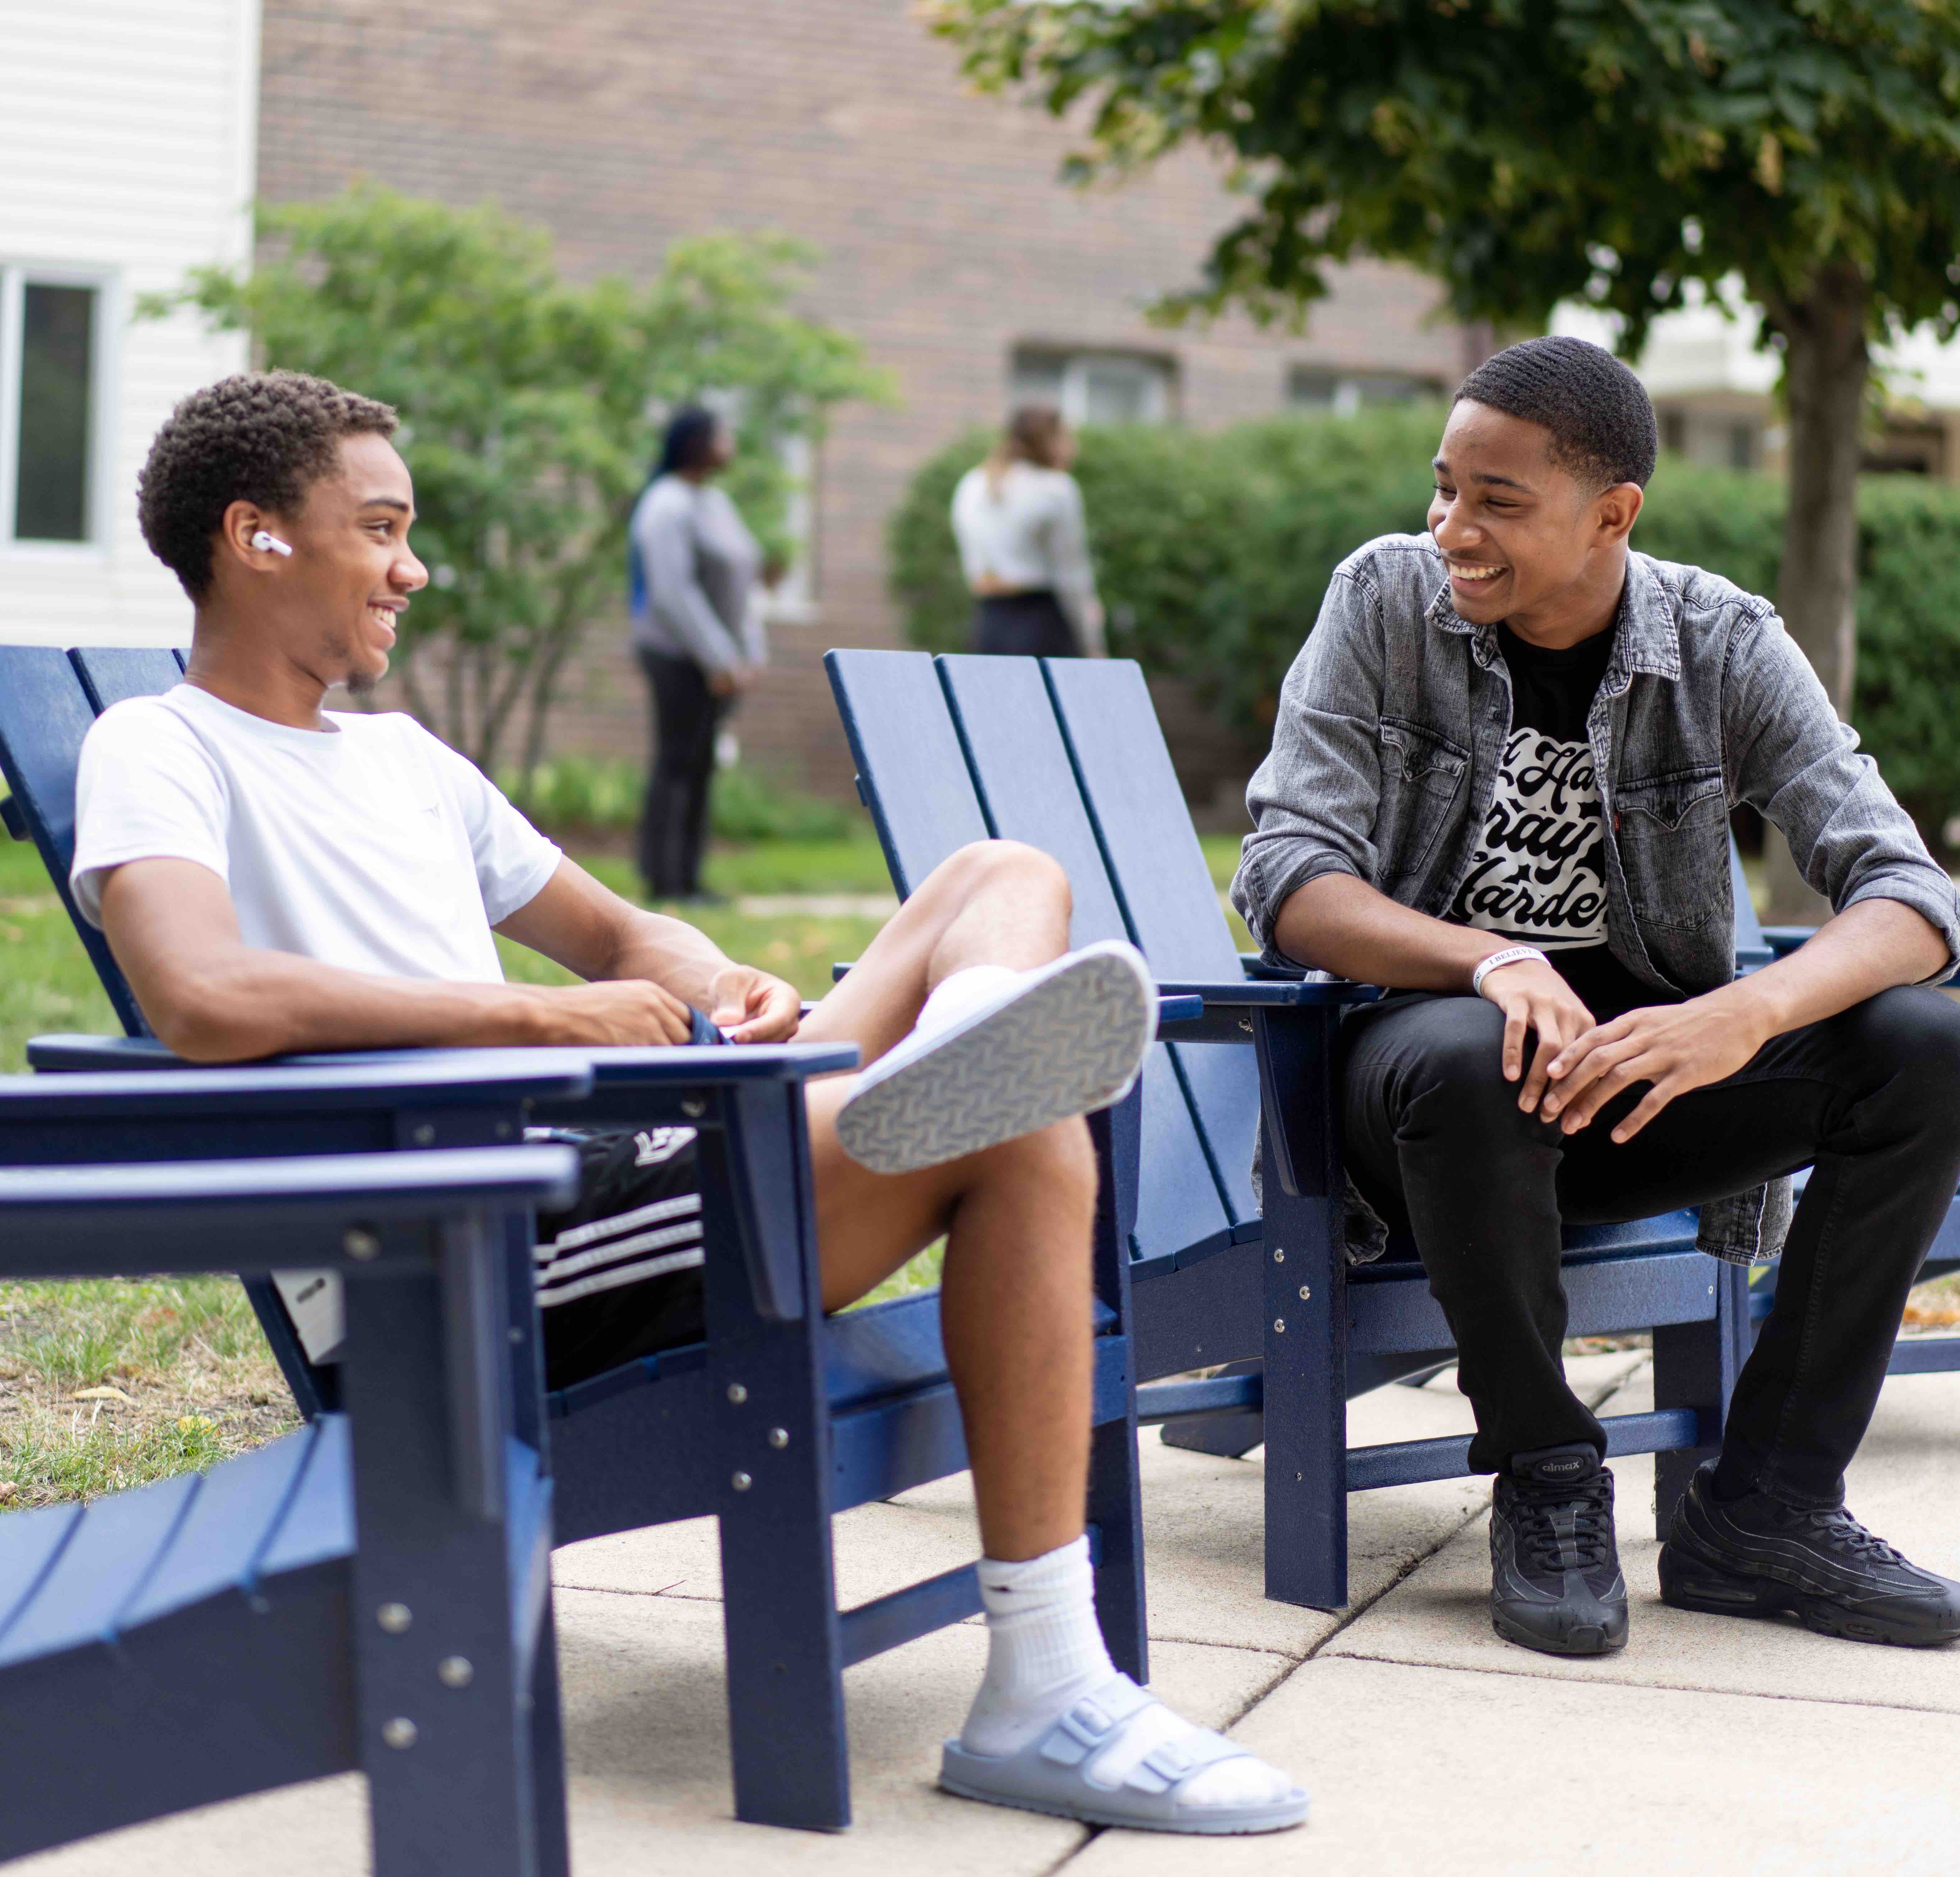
x: 1026, y: 626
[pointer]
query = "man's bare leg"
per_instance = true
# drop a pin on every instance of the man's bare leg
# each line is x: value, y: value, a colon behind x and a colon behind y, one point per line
x: 1016, y: 1302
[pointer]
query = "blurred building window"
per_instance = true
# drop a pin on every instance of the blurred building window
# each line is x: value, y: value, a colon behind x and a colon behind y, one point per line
x: 1717, y: 439
x: 1315, y: 388
x: 1094, y: 387
x: 51, y: 374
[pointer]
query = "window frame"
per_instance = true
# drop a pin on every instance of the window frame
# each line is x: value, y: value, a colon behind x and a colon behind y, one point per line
x: 1159, y: 370
x: 17, y: 274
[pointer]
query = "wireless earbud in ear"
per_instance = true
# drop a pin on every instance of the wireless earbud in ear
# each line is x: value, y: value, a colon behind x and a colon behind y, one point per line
x: 262, y: 540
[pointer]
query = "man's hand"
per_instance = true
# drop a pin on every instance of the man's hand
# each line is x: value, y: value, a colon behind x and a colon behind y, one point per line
x: 1677, y: 1047
x: 753, y: 1006
x: 1533, y: 997
x: 730, y: 683
x: 618, y: 1010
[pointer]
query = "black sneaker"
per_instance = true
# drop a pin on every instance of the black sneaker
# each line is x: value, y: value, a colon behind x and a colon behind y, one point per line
x: 1758, y: 1556
x: 1555, y: 1582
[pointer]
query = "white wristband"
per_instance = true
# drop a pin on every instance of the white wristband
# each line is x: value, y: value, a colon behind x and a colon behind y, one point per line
x: 1516, y: 955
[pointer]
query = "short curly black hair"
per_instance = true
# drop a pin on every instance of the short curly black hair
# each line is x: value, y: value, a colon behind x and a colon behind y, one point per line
x: 1600, y: 418
x: 261, y: 436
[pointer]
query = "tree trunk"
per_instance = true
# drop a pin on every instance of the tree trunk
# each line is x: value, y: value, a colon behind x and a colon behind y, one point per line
x: 1825, y: 368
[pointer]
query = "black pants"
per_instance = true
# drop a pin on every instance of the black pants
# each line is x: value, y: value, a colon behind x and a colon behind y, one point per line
x: 673, y: 825
x: 1027, y: 625
x: 1870, y: 1099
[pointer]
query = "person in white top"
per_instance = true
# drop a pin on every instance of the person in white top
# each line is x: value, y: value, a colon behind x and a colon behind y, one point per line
x: 1023, y: 544
x: 274, y: 877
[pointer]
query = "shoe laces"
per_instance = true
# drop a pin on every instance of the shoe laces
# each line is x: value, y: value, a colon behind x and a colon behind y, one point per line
x: 1843, y: 1532
x: 1584, y: 1541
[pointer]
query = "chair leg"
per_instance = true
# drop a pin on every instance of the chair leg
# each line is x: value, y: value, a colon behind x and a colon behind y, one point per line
x: 1115, y: 1509
x: 549, y: 1811
x: 1695, y: 1366
x: 784, y: 1639
x: 1230, y: 1436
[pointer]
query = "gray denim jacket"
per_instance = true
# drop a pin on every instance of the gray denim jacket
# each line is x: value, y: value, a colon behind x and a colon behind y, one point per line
x: 1384, y: 758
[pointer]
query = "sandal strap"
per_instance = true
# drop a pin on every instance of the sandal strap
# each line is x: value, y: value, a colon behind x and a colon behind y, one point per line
x: 1099, y: 1719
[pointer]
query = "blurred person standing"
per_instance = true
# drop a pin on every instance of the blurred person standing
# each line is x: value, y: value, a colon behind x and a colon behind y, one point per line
x: 692, y: 567
x: 1022, y: 544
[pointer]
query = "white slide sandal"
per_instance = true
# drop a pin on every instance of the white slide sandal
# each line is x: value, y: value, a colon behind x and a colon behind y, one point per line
x: 1065, y: 1039
x: 1057, y: 1773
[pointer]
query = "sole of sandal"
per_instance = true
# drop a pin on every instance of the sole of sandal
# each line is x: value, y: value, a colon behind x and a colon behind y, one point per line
x: 1065, y: 1047
x: 1268, y: 1818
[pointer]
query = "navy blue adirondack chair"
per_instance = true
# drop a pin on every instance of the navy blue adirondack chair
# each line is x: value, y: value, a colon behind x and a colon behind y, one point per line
x: 1067, y: 755
x: 780, y: 1418
x: 1758, y: 944
x: 223, y: 1634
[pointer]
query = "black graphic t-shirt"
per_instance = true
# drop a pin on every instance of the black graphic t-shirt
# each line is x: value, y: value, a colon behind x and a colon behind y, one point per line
x: 1539, y: 874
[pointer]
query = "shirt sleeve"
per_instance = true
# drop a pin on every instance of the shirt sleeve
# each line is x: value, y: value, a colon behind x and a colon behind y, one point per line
x: 513, y: 861
x: 1314, y: 798
x: 664, y: 532
x: 1794, y: 761
x: 145, y: 791
x: 1075, y: 577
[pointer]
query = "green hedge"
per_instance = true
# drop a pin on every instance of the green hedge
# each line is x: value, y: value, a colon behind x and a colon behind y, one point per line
x: 1213, y: 549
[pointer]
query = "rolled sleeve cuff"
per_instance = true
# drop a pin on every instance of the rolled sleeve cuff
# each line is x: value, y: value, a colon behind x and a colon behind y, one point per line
x: 1266, y: 882
x: 1940, y: 910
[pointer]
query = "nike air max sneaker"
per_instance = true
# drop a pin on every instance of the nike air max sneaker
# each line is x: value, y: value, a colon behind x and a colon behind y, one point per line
x: 1758, y: 1556
x: 1555, y: 1581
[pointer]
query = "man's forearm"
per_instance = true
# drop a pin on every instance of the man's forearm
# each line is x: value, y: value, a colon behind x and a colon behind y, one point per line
x: 251, y: 1003
x: 671, y: 953
x: 1867, y: 948
x: 1340, y: 924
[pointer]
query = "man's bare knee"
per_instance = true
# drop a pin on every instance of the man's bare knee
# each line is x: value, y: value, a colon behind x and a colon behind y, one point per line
x: 1010, y: 867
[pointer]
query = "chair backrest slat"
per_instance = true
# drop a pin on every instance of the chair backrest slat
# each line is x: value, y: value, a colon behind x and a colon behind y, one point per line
x: 1027, y: 787
x: 897, y: 717
x: 111, y: 673
x: 1144, y: 829
x: 45, y: 713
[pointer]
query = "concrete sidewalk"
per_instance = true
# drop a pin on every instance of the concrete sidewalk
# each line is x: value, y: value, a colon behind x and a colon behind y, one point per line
x: 1709, y: 1745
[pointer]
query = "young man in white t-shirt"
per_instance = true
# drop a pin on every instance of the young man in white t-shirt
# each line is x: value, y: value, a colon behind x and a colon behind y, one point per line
x: 275, y: 878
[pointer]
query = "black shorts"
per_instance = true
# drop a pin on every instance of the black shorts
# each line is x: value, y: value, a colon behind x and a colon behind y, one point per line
x: 618, y: 1274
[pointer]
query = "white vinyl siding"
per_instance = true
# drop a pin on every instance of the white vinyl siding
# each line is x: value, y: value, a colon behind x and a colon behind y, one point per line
x: 127, y: 138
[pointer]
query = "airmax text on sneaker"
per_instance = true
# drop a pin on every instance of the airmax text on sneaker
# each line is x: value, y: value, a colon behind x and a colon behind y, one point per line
x: 1065, y: 1039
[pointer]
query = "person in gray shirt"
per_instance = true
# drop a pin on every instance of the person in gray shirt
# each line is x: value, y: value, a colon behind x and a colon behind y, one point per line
x: 692, y: 566
x: 1500, y: 787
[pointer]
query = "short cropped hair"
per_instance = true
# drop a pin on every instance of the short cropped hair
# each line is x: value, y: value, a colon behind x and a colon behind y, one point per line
x: 1600, y: 418
x: 263, y: 437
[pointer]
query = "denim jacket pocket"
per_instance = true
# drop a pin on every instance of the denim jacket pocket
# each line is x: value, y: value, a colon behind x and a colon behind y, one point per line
x: 1422, y: 775
x: 1672, y: 834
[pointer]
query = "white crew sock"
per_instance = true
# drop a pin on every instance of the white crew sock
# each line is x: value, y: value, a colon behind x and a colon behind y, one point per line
x: 1045, y: 1651
x: 955, y: 995
x: 1044, y: 1647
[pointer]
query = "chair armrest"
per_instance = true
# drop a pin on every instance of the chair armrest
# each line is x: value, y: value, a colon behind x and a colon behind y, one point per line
x: 147, y: 1085
x: 327, y: 1211
x: 1257, y: 966
x: 1274, y: 993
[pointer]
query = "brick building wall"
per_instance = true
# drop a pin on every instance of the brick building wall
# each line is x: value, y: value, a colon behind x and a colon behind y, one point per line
x: 946, y: 242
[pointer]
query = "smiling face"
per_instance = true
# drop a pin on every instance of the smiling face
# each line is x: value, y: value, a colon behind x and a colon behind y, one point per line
x: 334, y: 605
x: 1527, y: 541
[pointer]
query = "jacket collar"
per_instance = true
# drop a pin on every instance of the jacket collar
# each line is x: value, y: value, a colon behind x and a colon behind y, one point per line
x: 1648, y: 627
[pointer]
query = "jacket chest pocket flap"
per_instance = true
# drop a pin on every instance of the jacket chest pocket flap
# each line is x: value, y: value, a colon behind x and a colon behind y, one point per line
x: 1422, y: 775
x: 1672, y: 833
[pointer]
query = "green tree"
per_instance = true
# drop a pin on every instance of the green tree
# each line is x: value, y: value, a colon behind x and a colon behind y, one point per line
x: 530, y: 408
x: 1631, y: 154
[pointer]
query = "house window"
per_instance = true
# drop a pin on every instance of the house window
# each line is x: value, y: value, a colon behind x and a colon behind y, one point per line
x: 1090, y: 387
x: 52, y: 407
x: 1342, y: 393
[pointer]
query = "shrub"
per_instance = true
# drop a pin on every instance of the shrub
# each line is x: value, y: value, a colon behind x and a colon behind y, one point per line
x: 1212, y: 551
x: 586, y: 795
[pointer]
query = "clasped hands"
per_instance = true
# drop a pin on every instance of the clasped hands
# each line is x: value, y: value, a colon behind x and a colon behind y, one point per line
x: 1580, y: 1066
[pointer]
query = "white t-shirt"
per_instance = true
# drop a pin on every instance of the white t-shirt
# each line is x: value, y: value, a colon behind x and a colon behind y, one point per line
x: 371, y: 845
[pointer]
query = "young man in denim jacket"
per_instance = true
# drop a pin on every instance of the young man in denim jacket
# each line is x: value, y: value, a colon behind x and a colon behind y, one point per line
x: 1500, y: 787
